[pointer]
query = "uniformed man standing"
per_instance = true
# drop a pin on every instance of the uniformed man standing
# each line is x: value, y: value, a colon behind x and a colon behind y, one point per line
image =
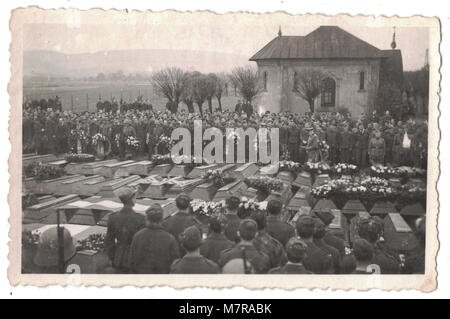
x: 181, y: 220
x: 193, y: 262
x: 345, y: 145
x: 275, y: 227
x: 332, y: 138
x: 216, y: 242
x: 312, y: 147
x: 293, y: 141
x: 295, y: 252
x: 232, y: 220
x: 121, y: 228
x: 153, y: 249
x: 244, y: 258
x: 266, y: 243
x: 377, y: 149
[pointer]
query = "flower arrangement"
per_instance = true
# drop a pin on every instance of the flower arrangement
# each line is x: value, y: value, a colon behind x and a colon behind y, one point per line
x: 164, y: 140
x: 290, y: 166
x: 79, y: 134
x: 323, y: 145
x: 207, y: 208
x: 246, y: 207
x: 264, y: 183
x: 94, y: 242
x: 286, y: 156
x: 79, y: 158
x: 317, y: 168
x: 344, y: 169
x: 374, y: 182
x: 133, y: 142
x: 97, y: 138
x: 30, y: 239
x: 43, y: 171
x: 397, y: 172
x: 158, y: 159
x: 215, y: 176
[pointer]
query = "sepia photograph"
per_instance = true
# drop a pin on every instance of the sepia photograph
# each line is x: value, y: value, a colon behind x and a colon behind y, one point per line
x: 237, y: 144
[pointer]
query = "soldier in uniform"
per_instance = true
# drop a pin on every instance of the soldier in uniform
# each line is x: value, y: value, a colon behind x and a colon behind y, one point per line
x: 153, y: 249
x: 293, y: 141
x: 275, y: 227
x: 266, y: 243
x: 317, y: 260
x: 345, y: 145
x: 244, y: 257
x: 318, y: 240
x: 332, y: 139
x: 284, y: 131
x: 362, y: 146
x: 232, y: 220
x: 120, y: 231
x: 193, y: 262
x: 330, y: 238
x: 216, y: 242
x: 377, y: 149
x: 177, y: 223
x: 312, y: 147
x: 295, y: 252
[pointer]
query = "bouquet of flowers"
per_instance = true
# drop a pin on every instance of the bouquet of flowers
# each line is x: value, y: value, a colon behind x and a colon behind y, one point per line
x: 206, y: 208
x: 317, y: 168
x: 133, y: 142
x: 415, y: 193
x: 94, y: 242
x: 345, y: 169
x: 97, y: 138
x: 290, y: 166
x: 79, y: 158
x: 217, y: 177
x: 264, y: 183
x: 286, y: 156
x: 246, y: 207
x: 79, y: 134
x: 43, y: 171
x: 158, y: 159
x: 164, y: 140
x: 385, y: 171
x: 332, y: 187
x: 374, y: 182
x: 324, y: 146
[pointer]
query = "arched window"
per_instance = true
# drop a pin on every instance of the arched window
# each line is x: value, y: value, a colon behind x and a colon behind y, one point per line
x: 295, y: 82
x: 328, y: 96
x: 265, y: 80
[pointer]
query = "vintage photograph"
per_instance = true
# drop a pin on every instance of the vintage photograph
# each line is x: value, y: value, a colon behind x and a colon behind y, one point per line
x: 236, y: 144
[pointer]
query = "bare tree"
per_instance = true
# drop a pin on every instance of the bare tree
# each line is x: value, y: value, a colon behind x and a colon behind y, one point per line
x: 233, y: 82
x: 187, y: 96
x: 200, y: 87
x: 221, y: 82
x: 247, y: 80
x: 211, y: 89
x: 169, y: 83
x: 308, y: 84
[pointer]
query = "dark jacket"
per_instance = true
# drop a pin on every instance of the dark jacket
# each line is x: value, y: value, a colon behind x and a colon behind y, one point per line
x: 232, y: 222
x: 272, y: 247
x: 153, y: 250
x: 121, y: 228
x: 213, y: 246
x: 290, y: 269
x: 194, y: 265
x: 177, y: 223
x: 258, y: 260
x: 279, y: 230
x: 337, y: 260
x: 318, y: 260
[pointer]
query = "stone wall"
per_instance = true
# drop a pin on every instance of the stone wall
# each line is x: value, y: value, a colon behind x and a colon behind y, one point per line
x: 279, y: 95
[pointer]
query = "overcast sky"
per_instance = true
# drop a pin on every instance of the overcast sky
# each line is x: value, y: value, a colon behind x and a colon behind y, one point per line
x: 243, y: 35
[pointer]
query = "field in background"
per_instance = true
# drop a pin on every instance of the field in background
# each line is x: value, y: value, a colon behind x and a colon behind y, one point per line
x: 82, y: 96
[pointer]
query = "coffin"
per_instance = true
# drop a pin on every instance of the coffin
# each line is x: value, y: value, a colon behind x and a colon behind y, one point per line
x: 244, y: 171
x: 303, y: 179
x: 161, y: 170
x: 297, y: 201
x: 236, y: 188
x: 398, y: 236
x: 75, y: 186
x: 94, y: 186
x: 286, y: 176
x: 382, y: 208
x: 180, y: 170
x: 141, y: 168
x: 109, y: 170
x: 353, y: 207
x: 204, y: 191
x: 414, y: 209
x: 51, y: 186
x: 95, y: 167
x: 199, y: 171
x: 109, y: 189
x: 26, y: 160
x: 321, y: 179
x: 339, y: 225
x: 184, y: 186
x: 45, y: 211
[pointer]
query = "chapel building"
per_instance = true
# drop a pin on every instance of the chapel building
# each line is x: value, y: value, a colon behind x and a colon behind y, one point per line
x: 352, y: 71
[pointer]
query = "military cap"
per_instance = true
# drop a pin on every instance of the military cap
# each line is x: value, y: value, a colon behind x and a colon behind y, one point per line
x: 125, y: 194
x: 191, y: 238
x: 362, y: 250
x: 296, y: 249
x: 182, y: 201
x: 47, y: 251
x: 233, y: 202
x: 274, y: 206
x: 248, y: 229
x: 155, y: 213
x: 305, y: 226
x: 325, y: 216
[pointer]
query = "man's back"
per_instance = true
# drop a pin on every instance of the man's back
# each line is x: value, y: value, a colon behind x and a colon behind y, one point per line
x: 232, y: 222
x: 318, y: 260
x: 213, y: 246
x: 272, y: 247
x: 290, y: 268
x: 194, y: 265
x: 334, y: 254
x: 177, y: 223
x: 279, y: 230
x: 258, y: 260
x: 153, y: 250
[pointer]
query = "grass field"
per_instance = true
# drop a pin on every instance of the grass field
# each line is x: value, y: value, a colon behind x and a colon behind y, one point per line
x: 82, y: 96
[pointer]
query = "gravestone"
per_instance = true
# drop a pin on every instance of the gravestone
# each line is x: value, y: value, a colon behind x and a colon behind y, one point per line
x: 74, y: 186
x: 321, y: 179
x: 382, y: 208
x: 235, y: 188
x: 109, y: 170
x: 51, y: 186
x: 161, y: 170
x: 303, y: 180
x: 109, y: 189
x: 45, y: 211
x: 244, y: 171
x: 94, y: 168
x: 414, y: 209
x: 199, y: 171
x: 205, y: 191
x: 398, y: 236
x: 354, y: 224
x: 353, y: 207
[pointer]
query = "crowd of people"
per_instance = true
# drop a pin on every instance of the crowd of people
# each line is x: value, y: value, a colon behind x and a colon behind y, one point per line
x: 313, y: 137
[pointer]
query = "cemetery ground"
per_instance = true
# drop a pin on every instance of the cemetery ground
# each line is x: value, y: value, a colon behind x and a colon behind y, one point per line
x: 83, y: 194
